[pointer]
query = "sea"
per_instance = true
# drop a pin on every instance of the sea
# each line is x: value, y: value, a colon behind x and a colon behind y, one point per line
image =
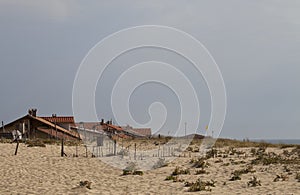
x: 278, y: 141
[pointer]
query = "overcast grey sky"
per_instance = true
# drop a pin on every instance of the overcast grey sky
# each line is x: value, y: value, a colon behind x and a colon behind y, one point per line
x: 256, y: 44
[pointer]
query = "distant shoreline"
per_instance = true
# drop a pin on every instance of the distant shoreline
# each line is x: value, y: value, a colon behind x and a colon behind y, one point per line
x: 278, y: 141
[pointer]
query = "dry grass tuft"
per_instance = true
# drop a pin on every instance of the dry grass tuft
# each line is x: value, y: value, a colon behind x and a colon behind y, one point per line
x: 297, y: 177
x: 200, y: 185
x: 132, y: 169
x: 253, y: 182
x: 180, y: 171
x: 35, y: 143
x: 281, y: 178
x: 199, y: 163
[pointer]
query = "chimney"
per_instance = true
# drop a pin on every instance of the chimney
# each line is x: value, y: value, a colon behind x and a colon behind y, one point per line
x: 32, y: 112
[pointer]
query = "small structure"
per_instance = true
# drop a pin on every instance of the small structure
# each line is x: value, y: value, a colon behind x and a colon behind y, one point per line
x: 33, y: 126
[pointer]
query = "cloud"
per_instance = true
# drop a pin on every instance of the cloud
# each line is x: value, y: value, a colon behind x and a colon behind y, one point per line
x: 56, y: 10
x: 255, y: 43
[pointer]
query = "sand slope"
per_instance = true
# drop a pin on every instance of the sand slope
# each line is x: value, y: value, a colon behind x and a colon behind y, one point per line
x: 39, y: 170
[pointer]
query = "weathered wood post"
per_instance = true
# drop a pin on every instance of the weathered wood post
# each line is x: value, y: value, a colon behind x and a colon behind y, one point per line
x: 158, y: 150
x: 135, y: 151
x: 62, y: 148
x: 76, y: 155
x: 16, y: 151
x: 86, y: 153
x: 115, y: 147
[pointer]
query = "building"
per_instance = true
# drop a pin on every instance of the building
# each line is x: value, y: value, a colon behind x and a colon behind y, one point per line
x: 33, y: 126
x: 143, y: 132
x: 115, y: 130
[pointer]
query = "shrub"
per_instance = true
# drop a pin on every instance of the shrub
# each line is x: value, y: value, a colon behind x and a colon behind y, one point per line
x: 179, y: 171
x: 253, y: 151
x: 86, y: 184
x: 249, y: 169
x: 281, y: 178
x: 272, y: 158
x: 253, y: 182
x: 238, y: 162
x: 200, y: 163
x: 219, y: 161
x: 131, y: 169
x: 170, y: 177
x: 138, y: 172
x: 174, y: 178
x: 211, y: 153
x: 297, y: 177
x: 189, y: 149
x: 296, y: 151
x: 226, y: 164
x: 201, y: 171
x: 200, y: 185
x: 35, y: 143
x: 235, y: 176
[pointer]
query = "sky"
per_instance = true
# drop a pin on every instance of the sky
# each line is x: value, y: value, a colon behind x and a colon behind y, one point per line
x: 256, y: 45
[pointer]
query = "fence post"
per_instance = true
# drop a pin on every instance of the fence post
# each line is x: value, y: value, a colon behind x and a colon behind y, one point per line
x: 135, y: 151
x: 16, y: 151
x: 158, y: 150
x: 62, y: 148
x: 86, y: 154
x: 115, y: 147
x: 76, y: 155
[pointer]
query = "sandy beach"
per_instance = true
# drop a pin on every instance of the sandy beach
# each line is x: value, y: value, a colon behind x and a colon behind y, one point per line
x: 41, y: 170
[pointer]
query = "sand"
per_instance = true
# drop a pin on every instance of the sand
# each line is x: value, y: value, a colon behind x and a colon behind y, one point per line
x: 41, y: 170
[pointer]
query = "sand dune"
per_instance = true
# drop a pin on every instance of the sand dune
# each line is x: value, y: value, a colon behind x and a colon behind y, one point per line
x: 38, y: 170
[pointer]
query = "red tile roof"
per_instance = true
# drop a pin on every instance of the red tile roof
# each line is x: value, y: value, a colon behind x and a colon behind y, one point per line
x: 118, y: 128
x: 99, y: 125
x: 143, y: 131
x: 59, y: 119
x: 71, y: 133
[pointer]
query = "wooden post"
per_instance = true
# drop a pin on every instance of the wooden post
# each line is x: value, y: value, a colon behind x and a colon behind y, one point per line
x: 158, y: 150
x: 135, y: 151
x: 76, y: 151
x: 29, y: 130
x: 16, y: 151
x: 128, y: 152
x: 122, y: 149
x: 115, y: 147
x: 62, y: 148
x: 86, y: 151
